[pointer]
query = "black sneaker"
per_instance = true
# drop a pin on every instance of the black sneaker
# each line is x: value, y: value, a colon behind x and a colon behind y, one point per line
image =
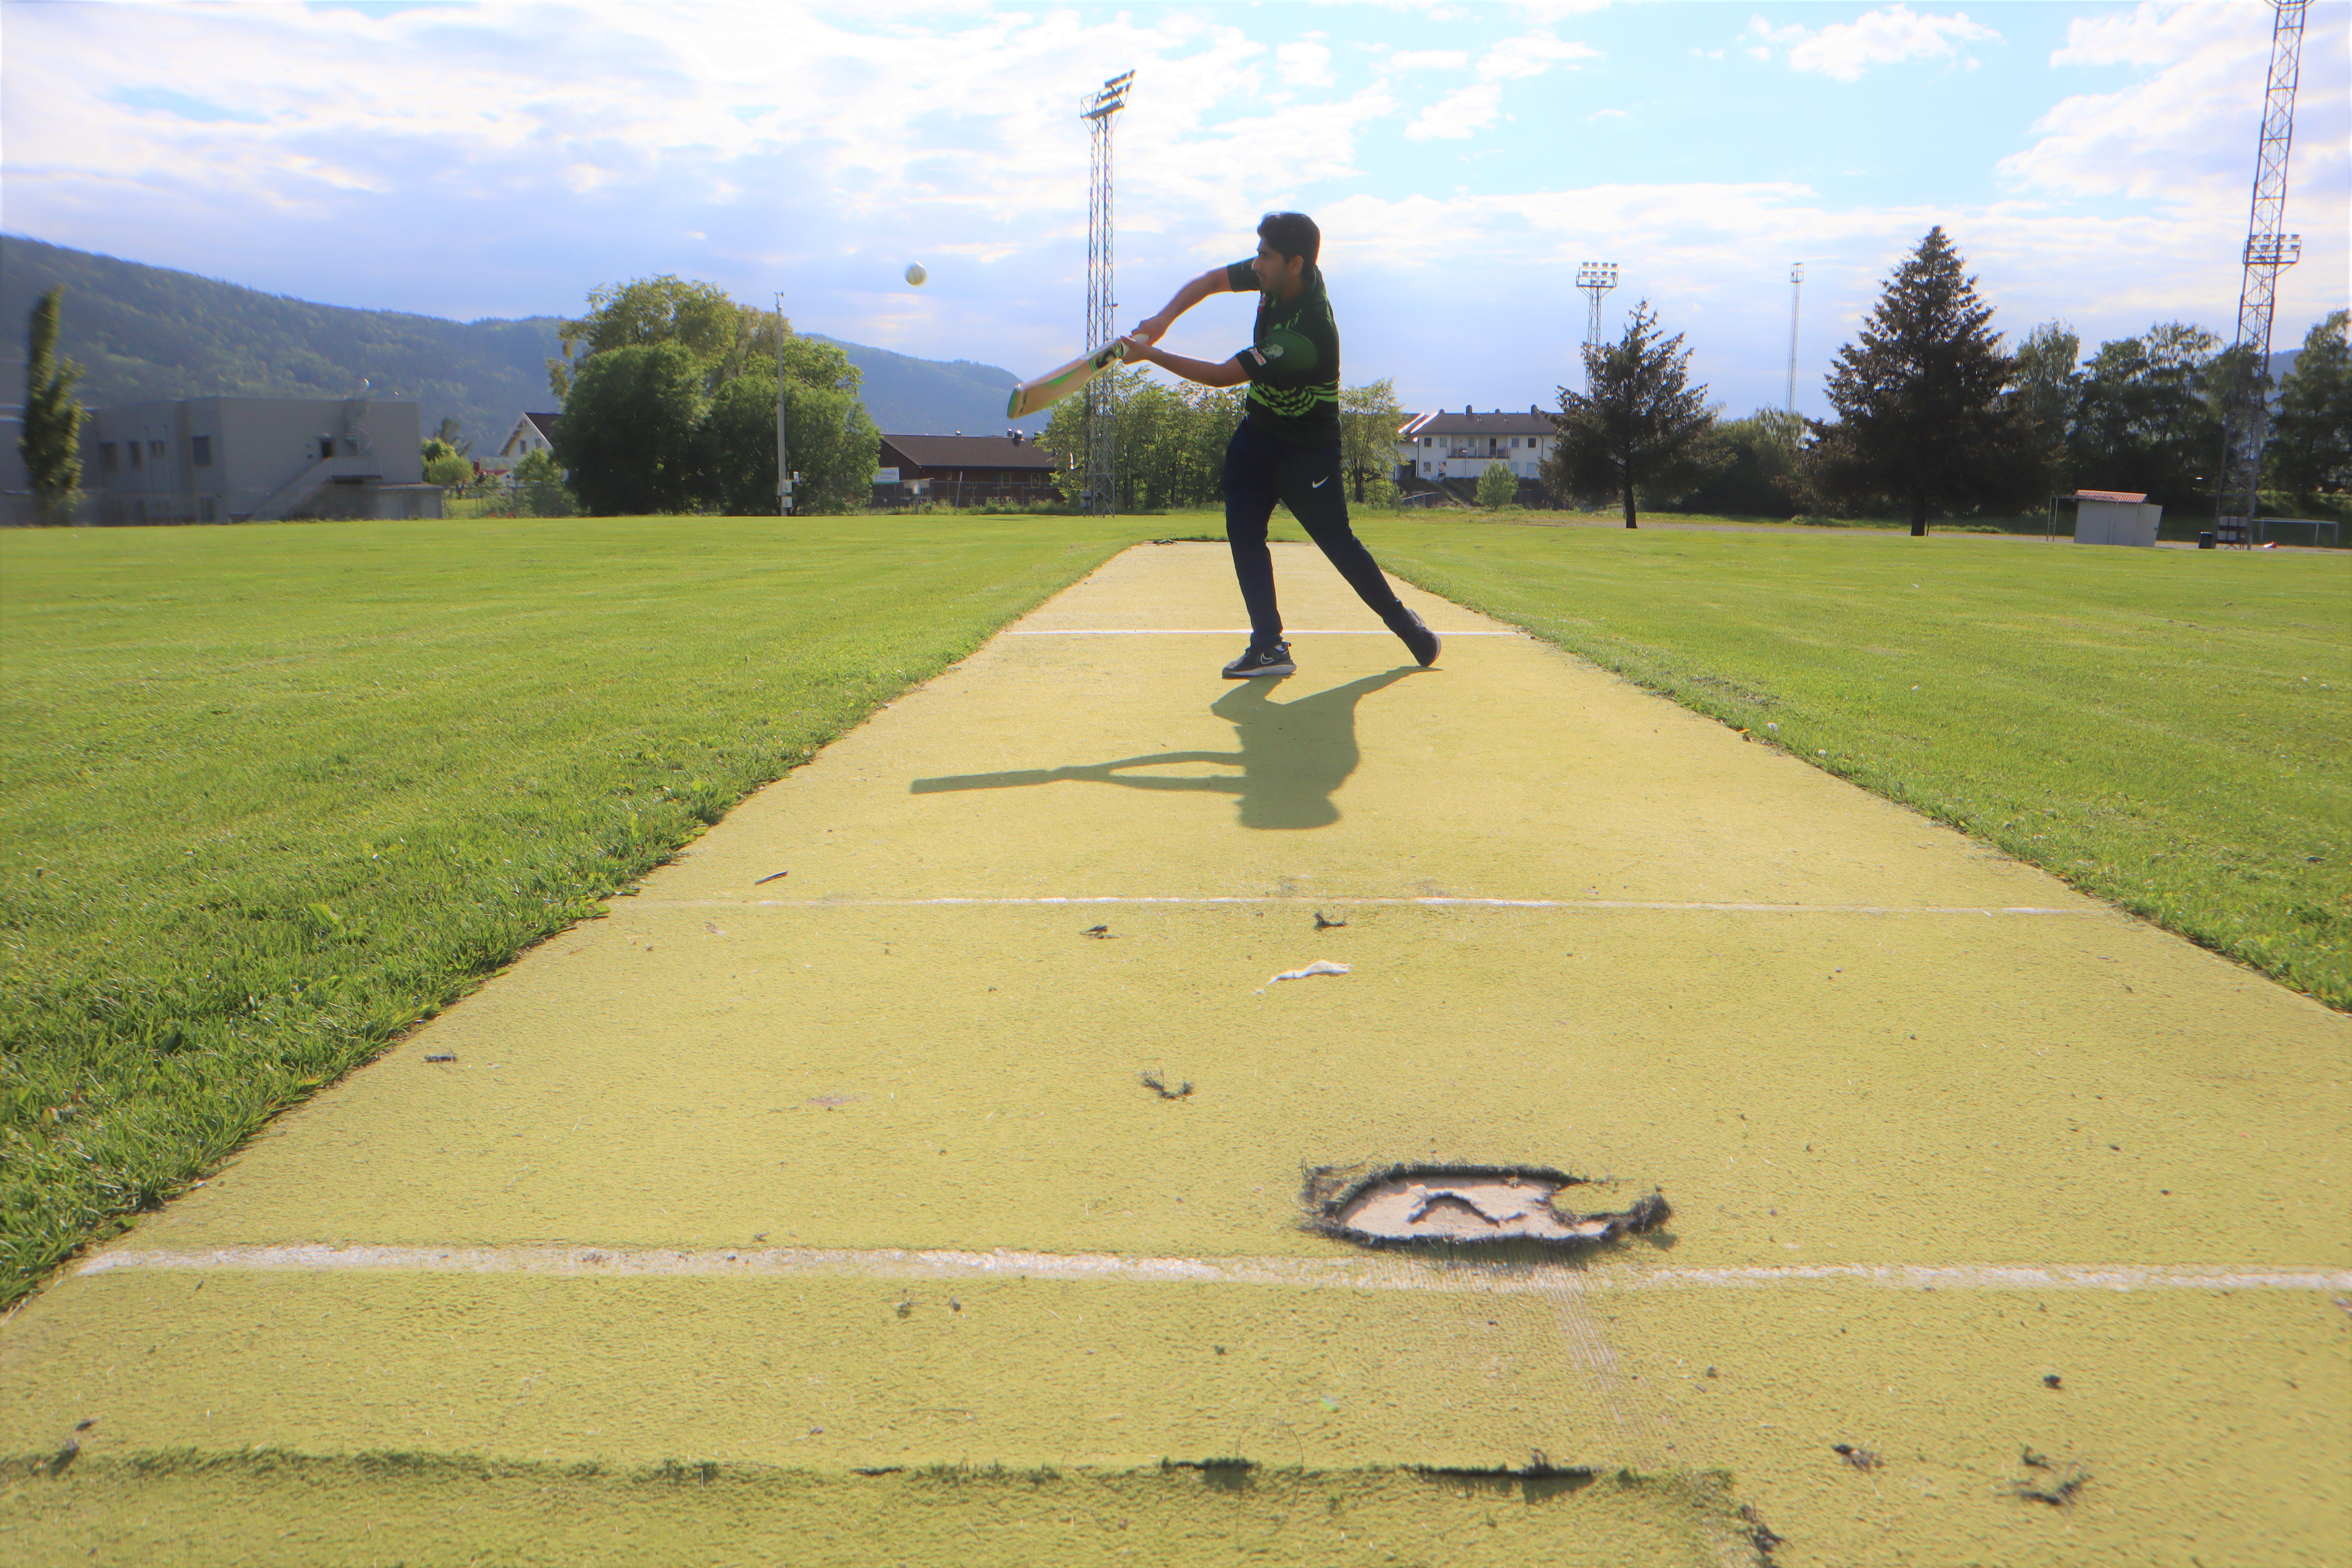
x: 1419, y: 639
x: 1257, y: 662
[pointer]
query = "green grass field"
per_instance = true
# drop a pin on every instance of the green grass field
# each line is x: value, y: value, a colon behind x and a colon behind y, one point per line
x: 272, y: 794
x: 269, y: 794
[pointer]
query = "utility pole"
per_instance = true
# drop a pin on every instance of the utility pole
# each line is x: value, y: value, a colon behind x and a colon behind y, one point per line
x: 1796, y: 294
x: 783, y: 454
x: 1101, y: 498
x: 1596, y: 278
x: 2245, y: 409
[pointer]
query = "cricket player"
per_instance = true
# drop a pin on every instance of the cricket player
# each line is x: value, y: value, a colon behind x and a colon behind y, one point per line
x: 1287, y: 449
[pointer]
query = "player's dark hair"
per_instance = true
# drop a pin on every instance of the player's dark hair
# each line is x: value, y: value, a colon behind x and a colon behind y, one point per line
x: 1291, y: 234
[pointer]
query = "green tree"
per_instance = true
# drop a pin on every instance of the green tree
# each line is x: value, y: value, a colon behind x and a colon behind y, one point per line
x: 2150, y: 415
x: 1497, y: 485
x: 444, y: 464
x: 2049, y: 380
x: 51, y: 445
x: 1369, y: 417
x: 834, y: 445
x: 2311, y: 440
x: 643, y: 311
x: 1644, y: 427
x: 1754, y: 472
x: 1170, y: 440
x: 631, y: 436
x: 1924, y: 420
x: 539, y: 489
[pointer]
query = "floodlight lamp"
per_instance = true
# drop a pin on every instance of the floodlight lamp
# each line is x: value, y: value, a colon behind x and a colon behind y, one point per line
x: 1110, y: 99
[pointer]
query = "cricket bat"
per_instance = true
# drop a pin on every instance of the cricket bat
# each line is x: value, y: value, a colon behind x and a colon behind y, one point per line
x: 1056, y: 384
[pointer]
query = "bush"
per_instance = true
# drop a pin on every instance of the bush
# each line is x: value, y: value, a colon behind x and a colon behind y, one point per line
x: 1497, y: 485
x: 539, y: 488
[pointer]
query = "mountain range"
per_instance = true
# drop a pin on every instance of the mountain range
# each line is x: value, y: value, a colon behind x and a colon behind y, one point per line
x: 142, y: 331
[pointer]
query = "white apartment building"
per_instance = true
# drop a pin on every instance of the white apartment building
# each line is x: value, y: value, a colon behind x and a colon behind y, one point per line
x: 240, y: 459
x: 1451, y: 445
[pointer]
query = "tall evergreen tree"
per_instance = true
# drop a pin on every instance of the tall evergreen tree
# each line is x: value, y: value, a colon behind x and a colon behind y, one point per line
x: 1644, y: 426
x: 1924, y: 418
x: 51, y: 445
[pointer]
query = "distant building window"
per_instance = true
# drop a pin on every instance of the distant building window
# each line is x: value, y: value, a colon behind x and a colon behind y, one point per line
x: 133, y: 449
x: 155, y: 448
x: 326, y: 447
x: 199, y: 453
x: 106, y: 460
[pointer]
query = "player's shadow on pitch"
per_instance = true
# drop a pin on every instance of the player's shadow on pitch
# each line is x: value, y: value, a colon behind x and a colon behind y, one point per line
x: 1293, y: 756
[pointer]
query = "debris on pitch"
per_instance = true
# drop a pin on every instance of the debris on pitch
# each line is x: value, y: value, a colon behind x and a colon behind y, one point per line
x: 1158, y: 1085
x: 1454, y: 1205
x: 1320, y: 966
x: 1322, y: 923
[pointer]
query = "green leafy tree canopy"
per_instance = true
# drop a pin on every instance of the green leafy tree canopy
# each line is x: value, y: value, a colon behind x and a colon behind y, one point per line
x: 1644, y: 426
x: 2311, y: 440
x: 1923, y: 416
x: 631, y: 437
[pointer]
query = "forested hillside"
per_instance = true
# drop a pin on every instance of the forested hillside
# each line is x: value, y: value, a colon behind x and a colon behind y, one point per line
x: 150, y: 331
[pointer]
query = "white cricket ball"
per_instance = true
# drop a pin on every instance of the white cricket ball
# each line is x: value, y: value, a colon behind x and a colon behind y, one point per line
x: 915, y: 273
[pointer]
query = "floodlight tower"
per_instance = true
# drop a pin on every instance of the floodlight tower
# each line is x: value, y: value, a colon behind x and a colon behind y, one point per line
x: 1101, y: 497
x: 1596, y: 278
x: 1796, y: 297
x: 783, y: 456
x: 2245, y: 409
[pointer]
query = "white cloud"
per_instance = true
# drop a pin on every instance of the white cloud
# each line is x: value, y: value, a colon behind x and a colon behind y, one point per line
x: 1532, y: 54
x: 1457, y: 114
x: 1605, y: 114
x: 1304, y: 65
x: 2183, y: 135
x: 1426, y: 59
x: 1845, y: 50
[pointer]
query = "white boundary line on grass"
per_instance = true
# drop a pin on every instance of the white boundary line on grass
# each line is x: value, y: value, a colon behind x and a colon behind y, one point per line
x: 1335, y: 902
x: 1389, y: 1272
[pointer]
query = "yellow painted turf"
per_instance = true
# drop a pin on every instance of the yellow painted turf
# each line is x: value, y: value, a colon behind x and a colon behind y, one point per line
x: 1833, y: 1033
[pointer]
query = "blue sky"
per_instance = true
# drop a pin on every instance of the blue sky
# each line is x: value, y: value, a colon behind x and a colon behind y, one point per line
x: 2092, y: 161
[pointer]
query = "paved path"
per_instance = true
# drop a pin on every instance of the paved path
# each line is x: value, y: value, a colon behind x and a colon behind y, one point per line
x: 828, y: 1154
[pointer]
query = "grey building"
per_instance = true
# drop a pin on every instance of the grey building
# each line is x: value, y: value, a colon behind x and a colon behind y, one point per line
x: 240, y: 459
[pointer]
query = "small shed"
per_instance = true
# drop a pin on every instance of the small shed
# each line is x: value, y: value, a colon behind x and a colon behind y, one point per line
x: 2114, y: 516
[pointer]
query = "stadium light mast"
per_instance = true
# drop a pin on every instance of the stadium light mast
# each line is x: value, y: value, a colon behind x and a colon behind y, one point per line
x: 1101, y: 497
x: 1596, y: 278
x: 2245, y: 409
x: 783, y: 456
x: 1796, y: 295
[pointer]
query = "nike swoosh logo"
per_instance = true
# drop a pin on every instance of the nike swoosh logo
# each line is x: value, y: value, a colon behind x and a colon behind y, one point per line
x: 1320, y: 483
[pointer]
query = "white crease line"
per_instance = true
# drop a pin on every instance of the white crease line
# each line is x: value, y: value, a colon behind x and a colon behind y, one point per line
x: 1221, y: 632
x: 1382, y: 1273
x: 1334, y: 902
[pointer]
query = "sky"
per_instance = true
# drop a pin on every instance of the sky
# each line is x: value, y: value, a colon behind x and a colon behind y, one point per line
x: 2093, y: 162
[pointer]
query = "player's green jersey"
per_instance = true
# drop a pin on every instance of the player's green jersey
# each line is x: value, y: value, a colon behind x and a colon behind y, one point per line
x: 1293, y: 360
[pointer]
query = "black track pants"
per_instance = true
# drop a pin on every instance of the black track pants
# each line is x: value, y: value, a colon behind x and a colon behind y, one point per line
x: 1262, y: 469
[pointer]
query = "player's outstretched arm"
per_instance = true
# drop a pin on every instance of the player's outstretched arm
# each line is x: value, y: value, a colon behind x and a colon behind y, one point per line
x: 1229, y: 373
x: 1151, y: 329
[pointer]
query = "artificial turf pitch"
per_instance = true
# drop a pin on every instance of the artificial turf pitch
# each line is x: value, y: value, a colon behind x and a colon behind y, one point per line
x: 782, y: 1189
